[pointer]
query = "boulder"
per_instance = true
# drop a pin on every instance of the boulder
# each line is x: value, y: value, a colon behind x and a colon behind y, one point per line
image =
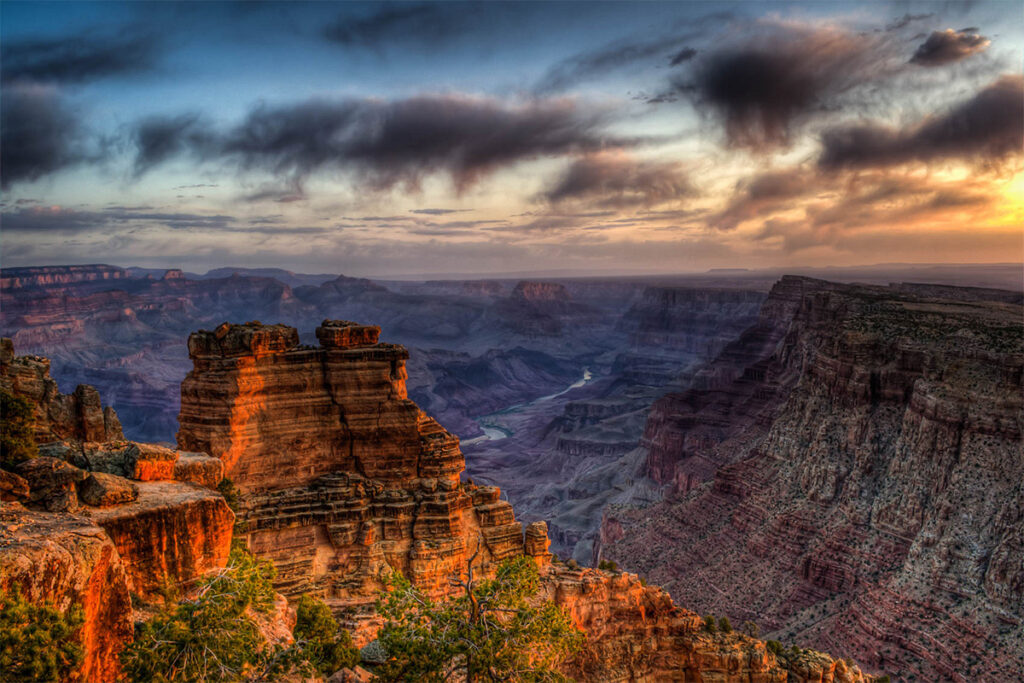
x: 52, y: 483
x: 103, y: 490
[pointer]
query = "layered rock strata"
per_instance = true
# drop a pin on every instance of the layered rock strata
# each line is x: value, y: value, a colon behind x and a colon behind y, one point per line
x: 344, y: 480
x: 344, y: 477
x: 849, y: 476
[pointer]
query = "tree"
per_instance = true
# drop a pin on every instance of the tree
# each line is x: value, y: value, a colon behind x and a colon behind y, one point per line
x: 37, y: 641
x: 325, y: 646
x: 752, y: 629
x: 17, y: 443
x: 213, y: 636
x: 492, y: 630
x: 709, y: 623
x: 724, y: 626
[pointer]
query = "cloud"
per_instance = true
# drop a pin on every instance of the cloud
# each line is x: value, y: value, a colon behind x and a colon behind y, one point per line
x: 436, y: 212
x: 684, y: 55
x: 159, y: 138
x: 571, y: 71
x: 798, y: 209
x: 44, y: 219
x: 616, y: 179
x: 281, y: 194
x: 943, y: 47
x: 906, y: 20
x: 386, y: 142
x: 39, y: 134
x: 763, y: 194
x: 77, y: 59
x: 764, y: 85
x: 403, y: 24
x: 987, y: 127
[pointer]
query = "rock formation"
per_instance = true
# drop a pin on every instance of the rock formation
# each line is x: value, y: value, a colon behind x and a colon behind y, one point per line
x: 345, y: 480
x: 92, y: 524
x: 57, y: 416
x: 848, y: 474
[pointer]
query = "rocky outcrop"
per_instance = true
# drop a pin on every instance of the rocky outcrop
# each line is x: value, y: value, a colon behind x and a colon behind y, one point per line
x: 90, y: 524
x: 57, y: 416
x: 848, y: 474
x: 69, y: 560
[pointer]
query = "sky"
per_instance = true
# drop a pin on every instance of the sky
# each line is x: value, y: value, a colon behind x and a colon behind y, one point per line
x: 402, y: 139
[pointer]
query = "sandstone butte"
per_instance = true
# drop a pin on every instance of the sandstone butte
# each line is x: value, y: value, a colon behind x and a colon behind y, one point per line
x: 345, y: 479
x: 849, y: 474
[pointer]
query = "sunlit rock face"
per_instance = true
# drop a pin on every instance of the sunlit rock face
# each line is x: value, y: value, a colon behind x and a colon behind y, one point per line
x: 344, y: 480
x: 848, y: 474
x: 90, y: 524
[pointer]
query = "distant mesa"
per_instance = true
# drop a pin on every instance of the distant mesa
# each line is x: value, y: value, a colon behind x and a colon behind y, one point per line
x: 540, y: 291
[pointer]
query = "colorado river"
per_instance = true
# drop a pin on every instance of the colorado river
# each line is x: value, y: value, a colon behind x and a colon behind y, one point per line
x: 494, y: 432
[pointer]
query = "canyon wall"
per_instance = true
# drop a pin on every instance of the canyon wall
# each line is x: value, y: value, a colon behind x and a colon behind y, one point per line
x: 848, y: 474
x: 344, y: 480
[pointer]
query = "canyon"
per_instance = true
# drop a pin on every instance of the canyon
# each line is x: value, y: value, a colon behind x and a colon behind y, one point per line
x: 838, y: 463
x: 363, y: 483
x: 848, y: 472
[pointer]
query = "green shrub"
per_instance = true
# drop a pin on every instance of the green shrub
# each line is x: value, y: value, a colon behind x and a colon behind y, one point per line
x: 724, y: 626
x: 608, y: 566
x: 17, y: 443
x: 709, y: 624
x: 325, y: 645
x: 775, y: 647
x: 752, y: 629
x: 213, y: 636
x: 884, y: 678
x: 493, y: 630
x: 232, y: 496
x: 37, y: 641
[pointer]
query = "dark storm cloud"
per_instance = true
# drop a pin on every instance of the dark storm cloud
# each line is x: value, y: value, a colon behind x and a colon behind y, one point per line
x: 618, y: 180
x: 39, y: 134
x: 987, y: 127
x: 763, y: 86
x: 403, y: 24
x: 389, y: 142
x: 943, y: 47
x: 159, y: 138
x: 77, y: 59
